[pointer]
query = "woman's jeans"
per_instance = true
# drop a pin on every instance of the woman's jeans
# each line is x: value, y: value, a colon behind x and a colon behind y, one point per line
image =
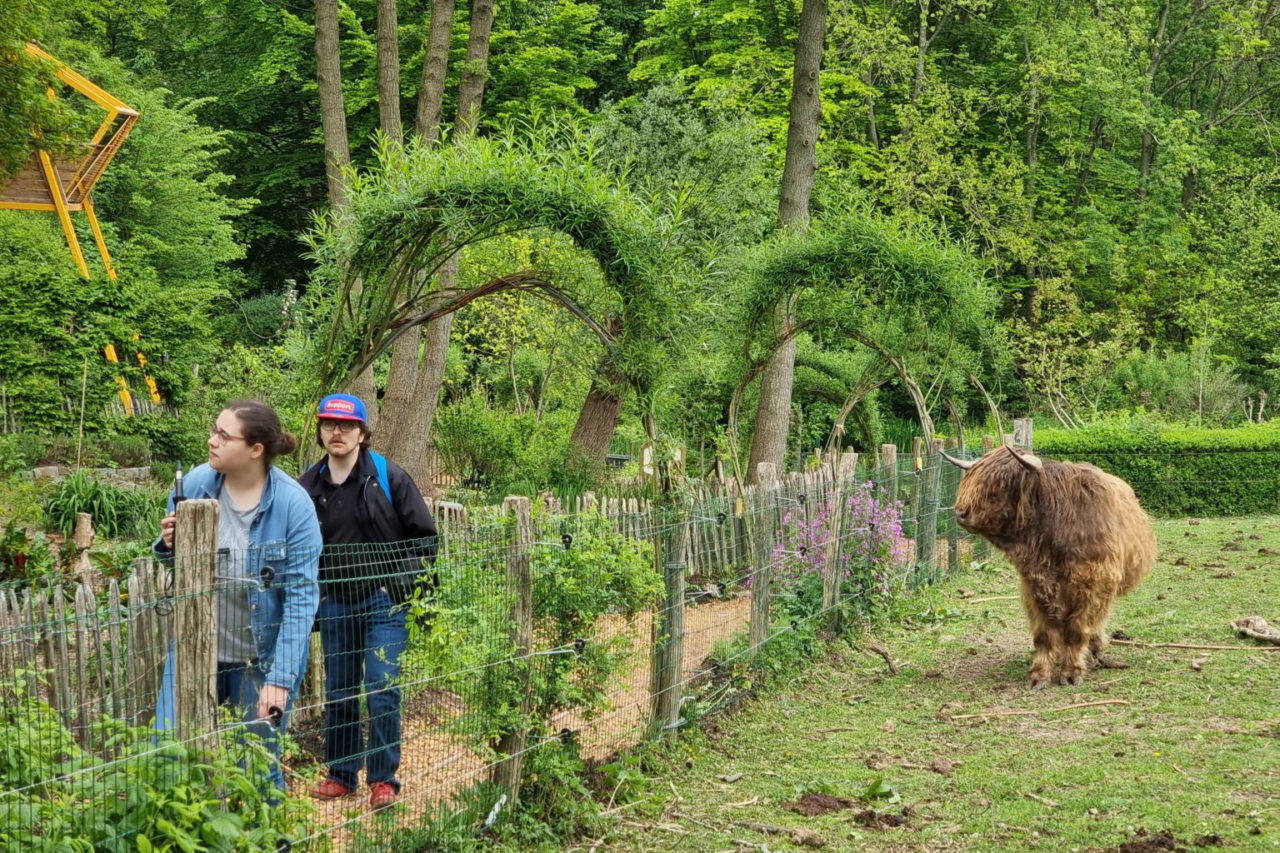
x: 363, y: 641
x: 238, y: 686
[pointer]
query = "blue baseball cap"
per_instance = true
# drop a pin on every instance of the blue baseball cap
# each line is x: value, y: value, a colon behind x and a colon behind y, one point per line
x: 342, y: 407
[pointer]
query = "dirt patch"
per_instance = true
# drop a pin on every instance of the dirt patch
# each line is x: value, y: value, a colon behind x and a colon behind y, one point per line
x: 1164, y: 840
x: 812, y: 805
x: 872, y: 819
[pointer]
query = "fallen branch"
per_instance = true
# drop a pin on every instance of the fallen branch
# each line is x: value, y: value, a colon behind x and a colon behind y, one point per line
x: 1191, y: 646
x: 992, y: 598
x: 884, y: 653
x: 1030, y: 796
x: 1041, y: 711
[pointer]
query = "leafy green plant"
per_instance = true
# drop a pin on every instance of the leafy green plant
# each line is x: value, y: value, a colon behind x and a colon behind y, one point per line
x: 19, y: 451
x: 116, y: 511
x: 131, y: 789
x: 24, y: 557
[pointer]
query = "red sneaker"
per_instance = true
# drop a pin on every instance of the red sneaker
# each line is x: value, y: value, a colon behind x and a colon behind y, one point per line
x: 331, y: 789
x: 382, y: 795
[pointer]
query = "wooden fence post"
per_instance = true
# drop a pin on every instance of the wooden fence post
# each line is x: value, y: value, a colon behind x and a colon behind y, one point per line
x: 766, y: 513
x: 668, y: 650
x: 888, y: 475
x: 953, y: 529
x: 1023, y: 434
x: 927, y: 507
x: 195, y: 626
x: 520, y: 587
x: 834, y: 570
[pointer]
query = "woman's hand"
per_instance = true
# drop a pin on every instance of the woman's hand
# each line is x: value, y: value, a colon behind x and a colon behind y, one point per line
x: 271, y: 696
x: 166, y: 530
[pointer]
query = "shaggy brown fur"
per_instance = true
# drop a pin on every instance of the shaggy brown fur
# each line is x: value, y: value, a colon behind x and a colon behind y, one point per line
x: 1078, y: 538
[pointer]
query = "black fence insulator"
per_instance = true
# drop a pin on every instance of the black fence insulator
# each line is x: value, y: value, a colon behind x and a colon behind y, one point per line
x: 567, y: 540
x: 795, y: 626
x: 802, y: 550
x: 720, y: 588
x: 799, y: 592
x: 800, y: 497
x: 579, y: 645
x: 566, y: 736
x: 720, y: 518
x: 275, y: 715
x: 267, y: 574
x: 284, y: 845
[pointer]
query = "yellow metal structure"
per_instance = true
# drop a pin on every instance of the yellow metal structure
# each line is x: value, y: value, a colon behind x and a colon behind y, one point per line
x: 63, y: 186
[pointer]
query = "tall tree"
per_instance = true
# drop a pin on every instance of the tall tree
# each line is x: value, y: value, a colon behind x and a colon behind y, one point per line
x: 337, y: 150
x: 411, y: 433
x: 773, y: 417
x: 402, y: 439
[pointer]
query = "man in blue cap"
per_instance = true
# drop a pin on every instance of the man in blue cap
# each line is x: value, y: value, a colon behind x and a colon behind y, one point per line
x: 379, y: 539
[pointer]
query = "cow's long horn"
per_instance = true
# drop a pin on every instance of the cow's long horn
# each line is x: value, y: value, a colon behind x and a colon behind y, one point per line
x: 1030, y: 460
x: 964, y: 464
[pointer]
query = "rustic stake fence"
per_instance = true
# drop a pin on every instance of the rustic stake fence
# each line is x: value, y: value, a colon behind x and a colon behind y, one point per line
x: 719, y: 547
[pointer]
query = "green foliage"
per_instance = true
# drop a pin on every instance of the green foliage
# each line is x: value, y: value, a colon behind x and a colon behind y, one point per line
x: 125, y: 792
x: 1180, y: 470
x: 30, y: 118
x: 24, y: 558
x: 117, y: 512
x: 19, y: 452
x: 602, y: 574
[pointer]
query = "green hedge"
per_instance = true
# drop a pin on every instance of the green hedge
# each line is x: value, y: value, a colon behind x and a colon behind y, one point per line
x: 1180, y: 470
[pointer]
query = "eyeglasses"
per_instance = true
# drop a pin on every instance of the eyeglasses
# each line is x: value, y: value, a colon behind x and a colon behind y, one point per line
x: 339, y: 426
x: 223, y: 437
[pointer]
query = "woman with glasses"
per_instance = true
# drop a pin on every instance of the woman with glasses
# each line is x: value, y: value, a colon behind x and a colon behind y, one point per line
x: 269, y: 547
x: 379, y: 537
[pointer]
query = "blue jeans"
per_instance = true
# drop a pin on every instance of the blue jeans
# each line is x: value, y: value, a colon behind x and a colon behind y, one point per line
x: 363, y: 641
x: 238, y: 686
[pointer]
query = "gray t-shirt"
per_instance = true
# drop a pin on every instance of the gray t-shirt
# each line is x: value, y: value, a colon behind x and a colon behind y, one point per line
x: 235, y: 630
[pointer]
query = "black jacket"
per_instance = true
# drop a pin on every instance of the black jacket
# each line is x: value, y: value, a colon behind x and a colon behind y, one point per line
x: 408, y: 524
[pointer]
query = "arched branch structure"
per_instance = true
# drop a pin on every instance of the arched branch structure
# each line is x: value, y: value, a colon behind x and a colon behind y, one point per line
x: 856, y: 274
x: 419, y: 205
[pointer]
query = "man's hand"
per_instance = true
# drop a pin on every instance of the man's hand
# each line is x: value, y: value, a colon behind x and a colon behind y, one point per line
x: 271, y: 696
x: 166, y: 529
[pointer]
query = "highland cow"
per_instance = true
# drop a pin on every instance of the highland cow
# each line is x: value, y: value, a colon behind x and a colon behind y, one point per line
x: 1076, y: 535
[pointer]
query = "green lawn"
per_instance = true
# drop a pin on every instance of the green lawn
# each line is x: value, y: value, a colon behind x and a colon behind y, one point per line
x: 1196, y: 751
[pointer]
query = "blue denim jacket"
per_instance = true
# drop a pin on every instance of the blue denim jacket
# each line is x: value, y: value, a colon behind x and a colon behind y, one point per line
x: 284, y: 537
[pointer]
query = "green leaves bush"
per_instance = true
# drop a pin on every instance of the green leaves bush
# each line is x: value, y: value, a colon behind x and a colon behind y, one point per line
x: 117, y: 512
x: 130, y: 789
x: 1180, y: 470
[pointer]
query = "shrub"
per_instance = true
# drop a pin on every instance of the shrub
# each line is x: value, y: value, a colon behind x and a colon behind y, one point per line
x: 24, y: 558
x: 1180, y: 470
x: 467, y: 623
x: 20, y: 452
x: 117, y: 512
x: 126, y: 792
x: 872, y: 553
x: 129, y: 451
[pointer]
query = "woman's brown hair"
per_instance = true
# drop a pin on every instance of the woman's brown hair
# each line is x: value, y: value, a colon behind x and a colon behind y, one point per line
x: 261, y: 425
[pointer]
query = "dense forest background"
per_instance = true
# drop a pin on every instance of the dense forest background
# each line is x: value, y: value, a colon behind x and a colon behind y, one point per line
x: 1108, y: 169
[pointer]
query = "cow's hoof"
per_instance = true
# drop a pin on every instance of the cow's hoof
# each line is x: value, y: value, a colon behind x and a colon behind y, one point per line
x: 1075, y: 679
x: 1037, y: 682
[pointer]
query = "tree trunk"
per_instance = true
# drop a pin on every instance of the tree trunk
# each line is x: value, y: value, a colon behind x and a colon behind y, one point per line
x: 389, y: 71
x: 434, y: 69
x: 599, y: 415
x: 337, y: 150
x: 333, y: 113
x: 399, y: 413
x: 769, y: 443
x: 476, y: 72
x: 412, y: 435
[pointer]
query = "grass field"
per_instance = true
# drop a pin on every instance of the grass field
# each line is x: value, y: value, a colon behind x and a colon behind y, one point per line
x: 900, y: 762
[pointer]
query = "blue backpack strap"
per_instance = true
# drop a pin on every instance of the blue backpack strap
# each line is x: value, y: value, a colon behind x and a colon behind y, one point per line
x: 380, y: 465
